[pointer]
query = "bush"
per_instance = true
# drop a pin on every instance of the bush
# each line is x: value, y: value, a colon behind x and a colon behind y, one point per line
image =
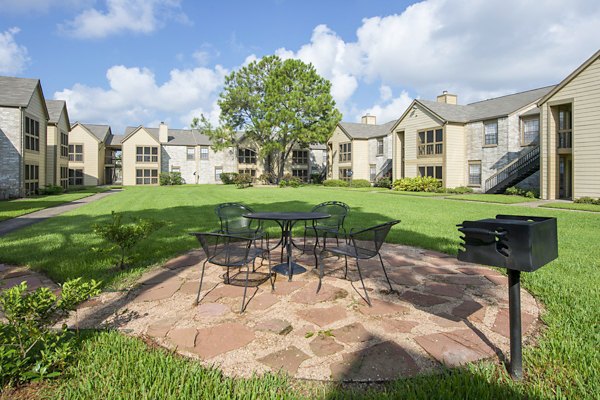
x: 50, y: 190
x: 459, y: 190
x: 267, y: 178
x: 587, y: 200
x: 384, y: 183
x: 360, y: 183
x: 171, y: 178
x: 515, y: 191
x: 290, y: 181
x: 125, y: 236
x: 30, y: 349
x: 316, y: 178
x: 228, y: 178
x: 243, y: 181
x: 418, y: 184
x: 335, y: 183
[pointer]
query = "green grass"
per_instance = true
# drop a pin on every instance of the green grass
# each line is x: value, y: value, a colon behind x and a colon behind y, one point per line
x: 14, y: 208
x: 492, y: 198
x: 573, y: 206
x: 563, y: 363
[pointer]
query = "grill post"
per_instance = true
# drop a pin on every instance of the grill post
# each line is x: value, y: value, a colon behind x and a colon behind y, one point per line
x: 514, y: 311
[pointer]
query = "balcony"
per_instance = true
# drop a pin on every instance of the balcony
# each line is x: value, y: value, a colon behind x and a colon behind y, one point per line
x: 565, y: 140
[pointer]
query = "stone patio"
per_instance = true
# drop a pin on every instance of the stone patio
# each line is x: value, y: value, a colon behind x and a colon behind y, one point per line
x: 442, y: 311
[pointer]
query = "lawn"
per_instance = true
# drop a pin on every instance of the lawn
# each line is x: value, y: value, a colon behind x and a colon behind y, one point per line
x: 563, y: 363
x: 492, y: 198
x: 573, y: 206
x: 14, y: 208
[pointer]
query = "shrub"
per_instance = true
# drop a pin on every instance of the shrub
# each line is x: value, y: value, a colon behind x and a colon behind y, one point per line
x: 316, y: 178
x: 384, y: 183
x: 360, y: 183
x: 243, y: 181
x: 418, y: 184
x: 290, y: 181
x: 228, y: 178
x: 587, y: 200
x: 30, y: 349
x: 267, y: 178
x: 124, y: 236
x: 335, y: 183
x: 171, y: 178
x: 459, y: 190
x: 515, y: 191
x: 51, y: 190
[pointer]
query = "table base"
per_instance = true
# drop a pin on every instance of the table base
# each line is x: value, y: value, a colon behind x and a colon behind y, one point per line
x: 284, y: 269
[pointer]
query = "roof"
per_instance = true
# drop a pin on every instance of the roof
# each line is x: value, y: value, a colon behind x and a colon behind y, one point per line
x: 366, y: 131
x: 569, y: 78
x: 55, y: 108
x: 100, y: 131
x: 177, y: 137
x: 319, y: 146
x: 114, y: 140
x: 16, y: 92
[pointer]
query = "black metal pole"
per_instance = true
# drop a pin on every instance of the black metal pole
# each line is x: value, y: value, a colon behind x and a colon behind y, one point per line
x: 514, y: 310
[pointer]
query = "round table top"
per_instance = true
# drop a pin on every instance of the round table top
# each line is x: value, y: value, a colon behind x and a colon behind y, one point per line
x: 287, y: 216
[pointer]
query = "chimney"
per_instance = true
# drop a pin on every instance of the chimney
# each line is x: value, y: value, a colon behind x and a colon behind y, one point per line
x: 447, y: 98
x: 163, y: 133
x: 368, y: 119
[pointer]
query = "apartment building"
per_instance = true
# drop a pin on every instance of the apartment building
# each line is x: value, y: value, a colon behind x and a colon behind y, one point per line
x: 360, y: 150
x: 92, y: 149
x: 57, y: 148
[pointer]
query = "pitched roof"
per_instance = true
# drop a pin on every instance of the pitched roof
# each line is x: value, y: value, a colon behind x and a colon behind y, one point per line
x: 55, y: 108
x: 114, y: 140
x: 100, y: 131
x: 569, y: 78
x: 16, y: 92
x: 366, y: 131
x: 177, y: 137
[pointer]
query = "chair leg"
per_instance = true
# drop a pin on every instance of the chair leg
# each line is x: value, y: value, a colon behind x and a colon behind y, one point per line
x: 346, y: 267
x: 321, y: 270
x: 200, y: 287
x: 245, y: 288
x: 385, y: 273
x: 363, y: 283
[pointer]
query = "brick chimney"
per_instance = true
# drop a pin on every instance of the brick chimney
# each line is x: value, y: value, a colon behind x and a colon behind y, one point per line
x: 368, y: 119
x: 163, y: 133
x: 447, y: 98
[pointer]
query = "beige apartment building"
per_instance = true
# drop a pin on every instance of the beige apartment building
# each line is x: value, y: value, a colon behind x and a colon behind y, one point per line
x: 360, y: 150
x: 92, y: 154
x: 57, y: 151
x: 570, y: 140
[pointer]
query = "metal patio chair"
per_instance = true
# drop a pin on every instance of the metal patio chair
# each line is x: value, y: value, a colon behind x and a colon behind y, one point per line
x: 333, y: 225
x: 231, y: 252
x: 362, y: 245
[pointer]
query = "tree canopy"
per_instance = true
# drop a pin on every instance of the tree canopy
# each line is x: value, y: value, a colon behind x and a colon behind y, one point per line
x: 277, y: 104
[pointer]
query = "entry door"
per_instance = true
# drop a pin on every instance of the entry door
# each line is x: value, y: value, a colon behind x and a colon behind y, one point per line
x: 565, y: 182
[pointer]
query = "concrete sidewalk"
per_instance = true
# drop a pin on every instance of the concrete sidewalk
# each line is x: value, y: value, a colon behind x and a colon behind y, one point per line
x: 11, y: 225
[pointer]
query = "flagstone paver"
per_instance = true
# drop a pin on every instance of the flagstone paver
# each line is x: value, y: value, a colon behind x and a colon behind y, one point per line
x: 288, y: 359
x: 395, y: 326
x: 185, y: 337
x: 455, y: 348
x: 324, y: 345
x: 309, y: 295
x: 205, y: 310
x: 502, y: 326
x: 353, y: 333
x: 379, y: 307
x: 215, y: 340
x: 262, y: 301
x: 323, y: 316
x: 278, y: 326
x: 425, y: 300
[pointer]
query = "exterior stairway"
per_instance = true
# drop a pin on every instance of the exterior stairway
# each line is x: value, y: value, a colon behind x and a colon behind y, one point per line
x: 523, y: 167
x: 385, y: 170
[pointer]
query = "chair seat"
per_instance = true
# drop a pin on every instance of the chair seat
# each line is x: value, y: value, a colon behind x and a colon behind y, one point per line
x: 351, y: 251
x: 323, y: 228
x: 235, y: 257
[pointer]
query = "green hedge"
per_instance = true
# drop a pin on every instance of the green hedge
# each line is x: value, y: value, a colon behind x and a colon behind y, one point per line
x: 360, y: 183
x: 335, y: 183
x: 418, y: 184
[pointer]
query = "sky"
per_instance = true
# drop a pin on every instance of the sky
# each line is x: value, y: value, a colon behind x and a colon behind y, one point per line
x: 140, y: 62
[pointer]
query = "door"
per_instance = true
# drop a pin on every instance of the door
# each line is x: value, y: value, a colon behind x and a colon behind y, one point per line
x: 565, y: 174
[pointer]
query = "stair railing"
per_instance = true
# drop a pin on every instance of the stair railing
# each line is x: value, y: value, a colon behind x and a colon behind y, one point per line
x: 515, y: 167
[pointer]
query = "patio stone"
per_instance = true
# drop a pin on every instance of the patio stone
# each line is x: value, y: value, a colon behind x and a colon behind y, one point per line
x: 401, y: 276
x: 223, y: 290
x: 278, y: 326
x: 309, y: 295
x: 398, y: 326
x: 502, y: 324
x: 323, y: 345
x: 433, y: 270
x: 191, y: 287
x: 455, y: 348
x: 420, y: 299
x: 444, y: 289
x: 466, y: 280
x: 262, y: 302
x: 183, y: 337
x: 383, y: 361
x: 223, y: 338
x: 323, y: 316
x: 160, y: 292
x: 32, y: 281
x: 160, y: 328
x: 207, y: 310
x: 379, y: 307
x: 288, y: 359
x: 93, y: 302
x: 497, y: 279
x: 283, y: 287
x: 466, y: 309
x: 185, y: 260
x: 16, y: 272
x: 353, y: 333
x: 446, y: 320
x: 158, y: 277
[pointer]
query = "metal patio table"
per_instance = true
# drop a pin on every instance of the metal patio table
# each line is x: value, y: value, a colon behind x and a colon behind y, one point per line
x: 286, y: 221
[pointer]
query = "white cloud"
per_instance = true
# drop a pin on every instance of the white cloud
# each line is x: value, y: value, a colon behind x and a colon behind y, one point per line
x: 389, y: 108
x: 135, y: 98
x: 13, y: 57
x: 41, y: 6
x: 137, y: 16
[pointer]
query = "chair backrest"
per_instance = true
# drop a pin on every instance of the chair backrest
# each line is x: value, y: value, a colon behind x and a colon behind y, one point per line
x: 224, y: 249
x: 370, y: 240
x: 231, y: 217
x: 336, y: 209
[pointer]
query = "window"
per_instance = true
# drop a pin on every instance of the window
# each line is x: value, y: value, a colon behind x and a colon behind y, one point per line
x: 32, y: 134
x: 175, y: 169
x: 32, y: 179
x: 372, y: 172
x: 431, y: 142
x: 380, y: 147
x: 64, y: 145
x: 300, y: 157
x: 346, y: 174
x: 564, y: 127
x: 204, y: 153
x: 301, y: 173
x: 248, y: 171
x: 490, y: 133
x: 475, y: 173
x: 146, y: 176
x: 345, y: 152
x: 218, y: 172
x: 530, y: 128
x: 76, y: 152
x: 146, y: 154
x: 190, y: 154
x: 64, y: 177
x: 246, y: 156
x: 433, y: 171
x: 76, y: 177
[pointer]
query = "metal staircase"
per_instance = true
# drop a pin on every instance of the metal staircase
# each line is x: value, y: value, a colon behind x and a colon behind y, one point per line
x: 385, y: 169
x: 523, y: 167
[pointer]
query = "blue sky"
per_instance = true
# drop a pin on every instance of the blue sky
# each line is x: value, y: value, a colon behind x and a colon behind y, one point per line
x: 132, y: 62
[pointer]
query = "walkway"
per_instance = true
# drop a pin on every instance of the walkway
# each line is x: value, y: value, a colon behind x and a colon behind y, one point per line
x: 11, y: 225
x: 442, y: 312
